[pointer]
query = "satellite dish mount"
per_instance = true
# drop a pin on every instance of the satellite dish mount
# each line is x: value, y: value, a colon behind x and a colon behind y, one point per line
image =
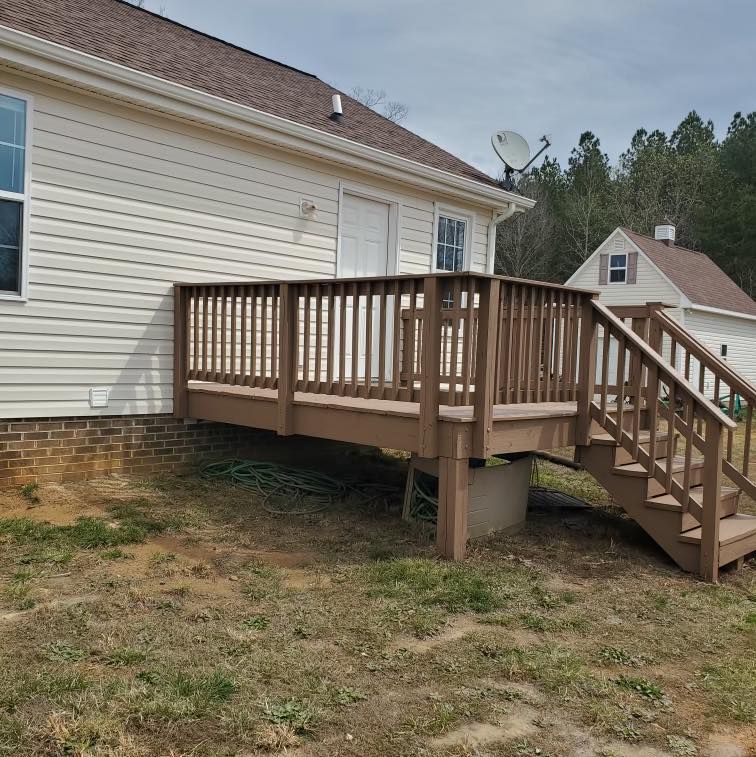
x: 514, y: 152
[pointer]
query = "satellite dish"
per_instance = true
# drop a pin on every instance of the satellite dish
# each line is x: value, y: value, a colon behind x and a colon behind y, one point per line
x: 513, y: 150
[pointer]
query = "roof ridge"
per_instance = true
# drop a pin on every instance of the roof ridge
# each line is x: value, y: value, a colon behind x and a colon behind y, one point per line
x: 660, y: 241
x: 167, y: 19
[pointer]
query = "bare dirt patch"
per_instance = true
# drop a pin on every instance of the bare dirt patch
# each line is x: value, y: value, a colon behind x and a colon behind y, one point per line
x: 517, y: 724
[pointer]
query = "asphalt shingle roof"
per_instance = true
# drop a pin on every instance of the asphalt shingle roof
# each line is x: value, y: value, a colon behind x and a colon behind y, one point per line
x: 696, y: 275
x: 122, y: 33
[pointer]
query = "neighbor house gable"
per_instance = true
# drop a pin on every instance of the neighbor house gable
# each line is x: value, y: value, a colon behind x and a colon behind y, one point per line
x: 650, y: 284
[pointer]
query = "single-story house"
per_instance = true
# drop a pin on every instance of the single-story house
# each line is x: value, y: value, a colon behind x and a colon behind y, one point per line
x: 632, y: 269
x: 136, y: 152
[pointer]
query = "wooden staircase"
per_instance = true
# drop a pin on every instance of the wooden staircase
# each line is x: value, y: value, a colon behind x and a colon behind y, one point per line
x: 664, y: 451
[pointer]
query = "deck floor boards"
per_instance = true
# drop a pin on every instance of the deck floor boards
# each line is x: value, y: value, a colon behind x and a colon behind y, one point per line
x: 459, y: 414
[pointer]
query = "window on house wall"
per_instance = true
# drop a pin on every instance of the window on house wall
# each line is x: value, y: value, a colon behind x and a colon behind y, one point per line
x: 450, y: 245
x: 618, y: 269
x: 13, y: 193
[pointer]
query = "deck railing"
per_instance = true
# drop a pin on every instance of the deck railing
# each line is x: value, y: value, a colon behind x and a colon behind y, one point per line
x: 443, y: 339
x: 636, y: 395
x: 713, y: 378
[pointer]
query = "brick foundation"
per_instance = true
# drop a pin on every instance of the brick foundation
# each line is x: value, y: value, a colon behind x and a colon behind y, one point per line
x: 73, y: 449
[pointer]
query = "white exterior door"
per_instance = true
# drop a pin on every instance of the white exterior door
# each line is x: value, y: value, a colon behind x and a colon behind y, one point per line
x: 364, y: 237
x: 364, y: 251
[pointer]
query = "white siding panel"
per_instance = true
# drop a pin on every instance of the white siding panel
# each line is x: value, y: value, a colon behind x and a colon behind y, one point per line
x: 124, y: 204
x: 739, y: 334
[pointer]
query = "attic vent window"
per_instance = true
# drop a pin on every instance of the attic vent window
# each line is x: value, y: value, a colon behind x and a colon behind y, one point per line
x: 619, y: 244
x: 618, y: 269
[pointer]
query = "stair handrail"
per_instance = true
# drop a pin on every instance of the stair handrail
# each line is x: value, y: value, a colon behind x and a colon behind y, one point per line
x: 647, y: 371
x: 705, y: 356
x: 665, y: 367
x: 723, y: 373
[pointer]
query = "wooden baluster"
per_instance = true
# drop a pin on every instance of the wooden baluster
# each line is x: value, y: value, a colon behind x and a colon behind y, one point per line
x: 712, y: 484
x: 558, y: 359
x: 671, y: 430
x: 747, y: 441
x: 605, y: 351
x: 244, y: 337
x: 701, y: 384
x: 356, y: 312
x: 330, y: 357
x: 454, y: 324
x: 485, y: 375
x: 223, y: 336
x: 518, y: 347
x: 263, y: 335
x: 689, y: 411
x: 214, y: 353
x: 673, y: 352
x: 621, y: 348
x: 587, y: 368
x: 180, y: 352
x: 396, y: 338
x: 368, y: 340
x: 652, y: 403
x: 527, y: 369
x: 468, y: 345
x: 287, y: 353
x: 234, y: 333
x: 500, y: 345
x: 307, y: 297
x: 195, y: 333
x: 382, y: 338
x: 205, y: 366
x: 539, y: 396
x: 254, y: 369
x: 574, y: 348
x: 548, y: 366
x: 730, y: 432
x: 342, y: 339
x: 275, y: 293
x: 431, y: 363
x: 410, y: 338
x: 319, y: 339
x: 567, y: 352
x: 637, y: 402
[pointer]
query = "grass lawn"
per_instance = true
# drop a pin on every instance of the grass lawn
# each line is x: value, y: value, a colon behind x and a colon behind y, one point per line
x: 178, y: 617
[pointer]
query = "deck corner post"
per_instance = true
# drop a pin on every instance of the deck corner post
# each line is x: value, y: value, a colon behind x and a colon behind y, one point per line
x: 655, y: 333
x: 485, y: 365
x: 586, y: 371
x: 180, y: 352
x: 453, y: 496
x: 712, y: 484
x: 431, y: 369
x: 287, y: 336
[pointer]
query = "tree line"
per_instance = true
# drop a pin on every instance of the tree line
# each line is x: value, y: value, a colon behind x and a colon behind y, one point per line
x: 706, y: 187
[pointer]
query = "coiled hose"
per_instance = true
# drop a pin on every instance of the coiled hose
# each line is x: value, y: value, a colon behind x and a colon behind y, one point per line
x: 293, y: 491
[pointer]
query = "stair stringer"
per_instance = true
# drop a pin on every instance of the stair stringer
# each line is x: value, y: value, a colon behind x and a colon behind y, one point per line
x: 663, y: 526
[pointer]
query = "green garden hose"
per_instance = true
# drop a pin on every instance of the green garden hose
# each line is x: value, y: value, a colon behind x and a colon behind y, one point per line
x: 292, y: 491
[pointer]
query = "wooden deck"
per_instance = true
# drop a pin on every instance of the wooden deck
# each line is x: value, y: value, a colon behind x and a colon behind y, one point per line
x: 385, y: 423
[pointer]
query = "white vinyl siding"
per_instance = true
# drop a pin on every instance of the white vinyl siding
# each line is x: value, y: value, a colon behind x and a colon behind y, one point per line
x: 123, y: 204
x: 739, y: 334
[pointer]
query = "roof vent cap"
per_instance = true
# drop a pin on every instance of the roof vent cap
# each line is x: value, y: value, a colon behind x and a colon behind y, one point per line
x: 665, y: 232
x: 338, y: 113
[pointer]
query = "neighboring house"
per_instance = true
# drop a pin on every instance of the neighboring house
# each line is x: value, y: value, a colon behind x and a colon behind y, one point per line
x: 633, y: 269
x: 135, y: 153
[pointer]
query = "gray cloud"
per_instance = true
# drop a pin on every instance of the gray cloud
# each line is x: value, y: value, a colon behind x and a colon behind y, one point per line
x: 467, y: 69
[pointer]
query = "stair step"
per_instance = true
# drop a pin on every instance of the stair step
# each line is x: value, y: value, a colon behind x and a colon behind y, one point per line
x: 670, y: 502
x: 731, y: 529
x: 644, y: 438
x: 638, y: 471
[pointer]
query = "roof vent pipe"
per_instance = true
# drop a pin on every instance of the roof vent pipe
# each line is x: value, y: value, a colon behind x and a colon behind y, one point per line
x: 338, y: 113
x: 665, y: 232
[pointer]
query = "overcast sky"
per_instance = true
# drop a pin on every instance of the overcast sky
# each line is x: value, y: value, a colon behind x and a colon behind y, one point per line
x: 466, y: 69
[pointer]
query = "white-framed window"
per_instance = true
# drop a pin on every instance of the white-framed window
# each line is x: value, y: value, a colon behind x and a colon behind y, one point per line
x: 617, y: 268
x: 15, y: 169
x: 450, y: 243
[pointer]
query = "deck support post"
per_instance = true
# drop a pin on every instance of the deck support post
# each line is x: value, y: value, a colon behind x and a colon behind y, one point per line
x: 485, y: 365
x: 712, y: 485
x: 451, y: 524
x: 431, y: 369
x: 586, y: 371
x: 180, y: 351
x: 287, y: 357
